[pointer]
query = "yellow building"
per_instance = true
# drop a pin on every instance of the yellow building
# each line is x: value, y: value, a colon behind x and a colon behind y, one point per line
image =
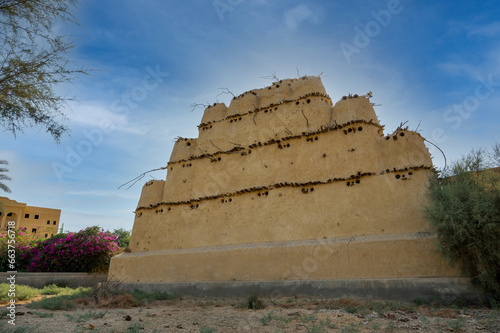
x: 38, y: 221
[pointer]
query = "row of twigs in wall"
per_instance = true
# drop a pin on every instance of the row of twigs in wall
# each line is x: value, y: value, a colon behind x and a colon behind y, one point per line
x: 323, y: 129
x: 355, y: 177
x: 273, y: 105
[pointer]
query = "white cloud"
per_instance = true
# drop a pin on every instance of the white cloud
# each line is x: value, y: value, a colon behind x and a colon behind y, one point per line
x: 488, y: 30
x: 295, y: 17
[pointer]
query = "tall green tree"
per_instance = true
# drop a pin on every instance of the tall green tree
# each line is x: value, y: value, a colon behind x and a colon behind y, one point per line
x: 34, y: 60
x: 464, y: 208
x: 122, y: 237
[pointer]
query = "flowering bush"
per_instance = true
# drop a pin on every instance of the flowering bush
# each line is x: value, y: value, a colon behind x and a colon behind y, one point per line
x: 22, y: 243
x: 88, y: 250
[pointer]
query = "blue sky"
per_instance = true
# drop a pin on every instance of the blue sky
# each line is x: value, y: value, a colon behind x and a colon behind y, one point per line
x: 433, y: 64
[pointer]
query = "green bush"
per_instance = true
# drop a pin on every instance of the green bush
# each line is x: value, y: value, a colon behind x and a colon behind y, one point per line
x: 464, y: 209
x: 22, y: 292
x: 254, y: 303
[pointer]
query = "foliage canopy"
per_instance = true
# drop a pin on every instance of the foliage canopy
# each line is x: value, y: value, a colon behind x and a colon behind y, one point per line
x: 464, y: 208
x: 33, y: 61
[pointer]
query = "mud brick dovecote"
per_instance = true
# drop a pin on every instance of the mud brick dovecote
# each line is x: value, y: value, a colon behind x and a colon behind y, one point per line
x: 284, y: 185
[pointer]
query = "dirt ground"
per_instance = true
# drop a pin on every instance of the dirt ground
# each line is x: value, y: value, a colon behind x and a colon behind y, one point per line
x: 290, y: 314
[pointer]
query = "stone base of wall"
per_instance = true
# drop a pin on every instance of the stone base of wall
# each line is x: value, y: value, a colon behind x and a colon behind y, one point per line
x: 443, y: 290
x: 72, y: 280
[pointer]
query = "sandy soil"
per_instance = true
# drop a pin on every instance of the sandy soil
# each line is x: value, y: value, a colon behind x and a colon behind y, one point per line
x: 229, y: 315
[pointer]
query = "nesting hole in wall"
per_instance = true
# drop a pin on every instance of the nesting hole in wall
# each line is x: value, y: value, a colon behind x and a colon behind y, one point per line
x: 349, y: 130
x: 410, y: 173
x: 398, y: 176
x: 402, y: 134
x: 316, y: 138
x: 308, y: 101
x: 219, y: 159
x: 387, y: 138
x: 355, y: 96
x: 171, y: 168
x: 348, y: 183
x: 357, y: 181
x: 239, y: 118
x: 344, y: 97
x: 395, y: 137
x: 324, y: 155
x: 188, y: 144
x: 276, y: 108
x: 277, y: 86
x: 297, y: 103
x: 345, y: 131
x: 169, y: 209
x: 360, y: 128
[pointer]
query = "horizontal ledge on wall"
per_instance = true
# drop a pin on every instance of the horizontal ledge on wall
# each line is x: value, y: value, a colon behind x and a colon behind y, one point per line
x: 359, y: 175
x: 323, y: 129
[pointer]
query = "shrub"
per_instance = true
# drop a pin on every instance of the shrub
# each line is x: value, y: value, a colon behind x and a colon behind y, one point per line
x: 254, y: 303
x: 464, y: 208
x: 22, y: 243
x: 88, y: 250
x: 85, y: 251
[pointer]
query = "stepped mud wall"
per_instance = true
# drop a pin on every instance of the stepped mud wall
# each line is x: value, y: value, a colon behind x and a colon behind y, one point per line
x: 284, y: 185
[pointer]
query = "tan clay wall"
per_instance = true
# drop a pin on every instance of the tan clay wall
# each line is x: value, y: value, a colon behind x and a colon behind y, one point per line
x: 395, y: 256
x: 275, y: 174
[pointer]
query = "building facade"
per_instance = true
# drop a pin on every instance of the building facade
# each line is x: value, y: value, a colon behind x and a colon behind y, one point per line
x: 39, y: 222
x: 285, y: 185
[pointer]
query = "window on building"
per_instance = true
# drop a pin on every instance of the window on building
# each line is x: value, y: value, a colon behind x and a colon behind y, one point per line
x: 26, y: 216
x: 54, y: 222
x: 46, y: 235
x: 48, y: 221
x: 37, y: 217
x: 10, y: 214
x: 33, y: 230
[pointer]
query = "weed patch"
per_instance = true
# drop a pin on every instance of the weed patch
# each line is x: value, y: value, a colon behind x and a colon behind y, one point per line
x: 23, y: 292
x: 254, y: 303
